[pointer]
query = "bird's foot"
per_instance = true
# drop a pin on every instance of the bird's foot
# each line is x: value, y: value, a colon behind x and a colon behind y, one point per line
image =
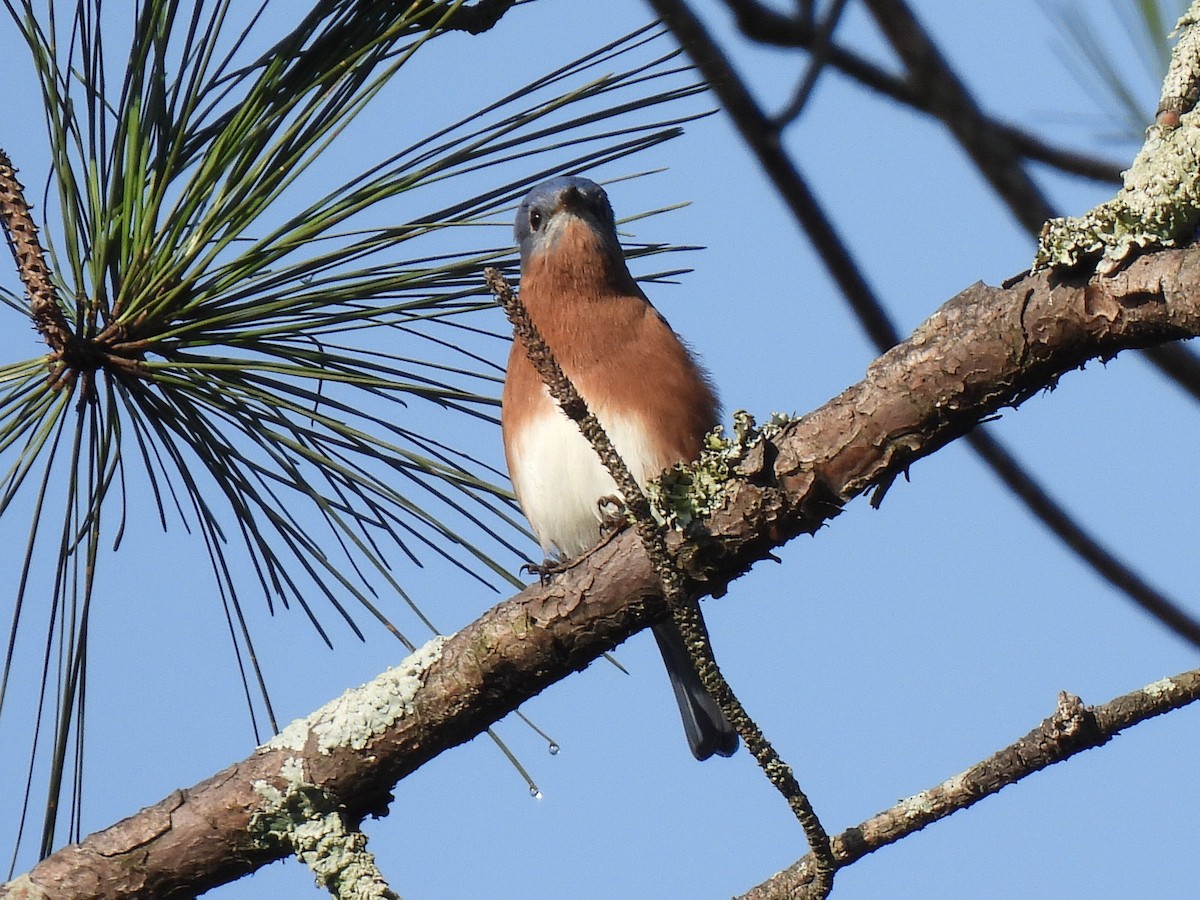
x: 612, y: 516
x: 612, y: 522
x: 548, y: 568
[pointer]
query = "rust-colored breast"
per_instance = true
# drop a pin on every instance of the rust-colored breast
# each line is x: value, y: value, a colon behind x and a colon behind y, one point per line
x: 614, y: 346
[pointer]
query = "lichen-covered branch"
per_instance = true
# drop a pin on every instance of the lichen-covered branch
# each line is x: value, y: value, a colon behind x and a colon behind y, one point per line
x: 305, y: 820
x: 1159, y: 204
x: 1181, y: 86
x: 987, y: 349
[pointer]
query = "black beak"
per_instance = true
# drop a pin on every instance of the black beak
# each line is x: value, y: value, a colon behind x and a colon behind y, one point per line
x: 572, y: 200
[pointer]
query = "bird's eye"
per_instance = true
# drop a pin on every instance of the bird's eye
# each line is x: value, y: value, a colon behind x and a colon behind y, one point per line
x: 535, y: 219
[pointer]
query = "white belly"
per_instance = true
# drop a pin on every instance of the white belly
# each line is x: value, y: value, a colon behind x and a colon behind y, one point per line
x: 560, y: 480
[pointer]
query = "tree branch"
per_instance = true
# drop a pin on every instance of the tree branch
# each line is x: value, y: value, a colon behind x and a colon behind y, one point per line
x: 947, y: 98
x: 1070, y: 730
x: 987, y: 349
x: 768, y: 26
x: 22, y: 235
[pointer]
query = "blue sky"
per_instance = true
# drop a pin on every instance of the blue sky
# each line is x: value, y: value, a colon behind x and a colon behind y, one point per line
x: 885, y: 654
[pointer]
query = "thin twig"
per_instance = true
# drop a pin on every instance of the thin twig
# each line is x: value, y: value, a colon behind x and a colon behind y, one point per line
x: 818, y: 59
x: 949, y: 100
x: 768, y: 26
x: 685, y: 615
x: 1167, y: 611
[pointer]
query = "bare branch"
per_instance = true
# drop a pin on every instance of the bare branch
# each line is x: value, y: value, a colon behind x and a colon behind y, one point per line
x: 1071, y: 533
x: 766, y: 25
x: 1070, y: 730
x: 948, y: 99
x: 818, y: 59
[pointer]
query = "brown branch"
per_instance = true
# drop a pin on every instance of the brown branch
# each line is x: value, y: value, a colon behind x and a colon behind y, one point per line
x: 1070, y: 730
x: 987, y: 349
x: 22, y: 234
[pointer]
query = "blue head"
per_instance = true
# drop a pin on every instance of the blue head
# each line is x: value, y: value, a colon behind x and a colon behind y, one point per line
x: 547, y: 209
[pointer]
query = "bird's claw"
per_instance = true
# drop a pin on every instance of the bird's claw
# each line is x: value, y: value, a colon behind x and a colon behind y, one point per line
x: 546, y: 569
x: 612, y: 522
x: 612, y: 515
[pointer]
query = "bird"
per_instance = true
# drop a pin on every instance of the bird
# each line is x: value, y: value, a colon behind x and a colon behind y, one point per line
x: 637, y: 377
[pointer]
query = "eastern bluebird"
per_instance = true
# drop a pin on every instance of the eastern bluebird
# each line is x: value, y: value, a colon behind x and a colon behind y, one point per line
x: 653, y: 400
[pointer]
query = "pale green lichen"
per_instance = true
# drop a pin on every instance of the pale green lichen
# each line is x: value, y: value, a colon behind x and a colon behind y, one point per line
x: 310, y: 823
x: 918, y: 806
x: 1179, y: 91
x: 1160, y: 688
x: 928, y: 802
x: 1159, y: 204
x: 22, y: 888
x: 361, y: 714
x: 687, y: 492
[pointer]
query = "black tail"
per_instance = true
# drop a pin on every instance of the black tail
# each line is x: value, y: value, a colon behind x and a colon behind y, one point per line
x: 707, y: 729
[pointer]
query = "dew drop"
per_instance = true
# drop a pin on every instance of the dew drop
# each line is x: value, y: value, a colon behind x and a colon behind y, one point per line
x: 553, y: 748
x: 535, y: 793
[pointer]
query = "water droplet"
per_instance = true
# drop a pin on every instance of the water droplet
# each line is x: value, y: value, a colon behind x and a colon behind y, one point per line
x: 553, y: 748
x: 534, y: 792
